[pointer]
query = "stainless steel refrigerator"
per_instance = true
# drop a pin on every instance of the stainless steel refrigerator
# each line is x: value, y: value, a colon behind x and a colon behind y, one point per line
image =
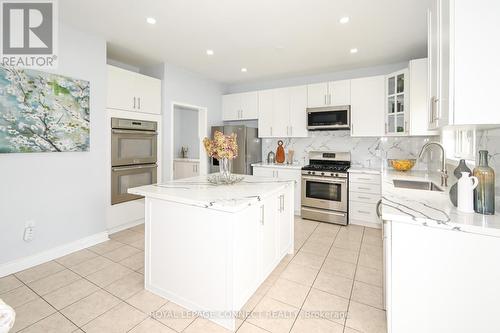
x: 249, y: 148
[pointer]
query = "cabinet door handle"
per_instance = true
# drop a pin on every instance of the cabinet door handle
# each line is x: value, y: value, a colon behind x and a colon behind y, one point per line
x: 287, y: 130
x: 406, y: 126
x: 262, y: 215
x: 139, y: 102
x: 330, y: 99
x: 325, y: 100
x: 386, y: 128
x: 134, y: 102
x: 271, y: 131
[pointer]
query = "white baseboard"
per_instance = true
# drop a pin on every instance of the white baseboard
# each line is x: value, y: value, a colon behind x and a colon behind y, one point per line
x: 376, y: 225
x: 125, y: 226
x: 51, y: 254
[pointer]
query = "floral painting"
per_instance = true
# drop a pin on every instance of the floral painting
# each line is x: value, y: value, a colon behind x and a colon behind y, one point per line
x: 42, y: 112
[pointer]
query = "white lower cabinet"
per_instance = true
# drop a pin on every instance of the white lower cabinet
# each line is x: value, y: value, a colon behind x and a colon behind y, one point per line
x: 283, y: 173
x: 186, y: 169
x: 441, y: 281
x: 364, y: 195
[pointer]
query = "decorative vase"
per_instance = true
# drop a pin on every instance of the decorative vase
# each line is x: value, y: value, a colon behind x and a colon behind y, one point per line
x: 466, y: 186
x: 462, y: 167
x: 484, y: 195
x: 225, y: 168
x: 280, y: 152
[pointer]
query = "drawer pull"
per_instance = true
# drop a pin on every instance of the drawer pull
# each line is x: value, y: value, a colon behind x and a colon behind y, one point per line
x: 364, y: 198
x: 363, y: 212
x: 365, y: 188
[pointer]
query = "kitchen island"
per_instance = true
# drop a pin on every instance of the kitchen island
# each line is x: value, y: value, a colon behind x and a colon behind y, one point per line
x: 208, y: 248
x: 441, y: 265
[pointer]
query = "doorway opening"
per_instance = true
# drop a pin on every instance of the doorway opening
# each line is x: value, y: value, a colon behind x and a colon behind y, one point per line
x: 189, y: 127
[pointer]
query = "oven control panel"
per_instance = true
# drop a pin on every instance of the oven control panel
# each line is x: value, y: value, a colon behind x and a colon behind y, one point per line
x: 325, y: 174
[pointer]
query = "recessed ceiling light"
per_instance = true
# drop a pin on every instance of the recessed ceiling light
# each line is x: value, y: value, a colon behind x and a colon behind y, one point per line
x: 344, y: 20
x: 151, y: 20
x: 210, y: 52
x: 244, y: 70
x: 354, y: 51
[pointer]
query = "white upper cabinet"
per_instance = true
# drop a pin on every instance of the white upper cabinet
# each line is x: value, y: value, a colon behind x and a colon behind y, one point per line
x: 340, y: 92
x: 282, y: 112
x: 298, y: 106
x: 466, y: 59
x: 317, y: 95
x: 419, y: 102
x: 132, y: 91
x: 243, y: 106
x: 397, y: 116
x: 368, y: 106
x: 266, y: 113
x: 333, y: 93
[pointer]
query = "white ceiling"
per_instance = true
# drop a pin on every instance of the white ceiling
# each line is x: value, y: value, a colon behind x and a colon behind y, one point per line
x: 272, y: 38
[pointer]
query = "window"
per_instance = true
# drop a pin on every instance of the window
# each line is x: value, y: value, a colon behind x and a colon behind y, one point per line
x: 465, y: 144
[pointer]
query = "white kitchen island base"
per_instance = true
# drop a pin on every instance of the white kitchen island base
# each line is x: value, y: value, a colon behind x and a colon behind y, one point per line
x: 212, y: 256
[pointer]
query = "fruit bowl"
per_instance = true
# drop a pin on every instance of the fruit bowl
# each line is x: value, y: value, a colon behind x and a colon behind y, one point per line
x: 403, y: 165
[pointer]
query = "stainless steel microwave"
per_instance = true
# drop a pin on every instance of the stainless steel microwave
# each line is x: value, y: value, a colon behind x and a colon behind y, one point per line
x: 329, y: 118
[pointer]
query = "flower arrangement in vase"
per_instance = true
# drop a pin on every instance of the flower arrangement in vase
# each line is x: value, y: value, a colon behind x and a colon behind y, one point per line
x: 223, y: 148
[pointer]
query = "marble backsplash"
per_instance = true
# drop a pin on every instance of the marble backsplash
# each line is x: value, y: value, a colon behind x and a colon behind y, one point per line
x: 365, y: 152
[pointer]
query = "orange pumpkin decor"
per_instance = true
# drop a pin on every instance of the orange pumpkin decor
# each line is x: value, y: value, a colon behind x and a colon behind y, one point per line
x: 280, y: 153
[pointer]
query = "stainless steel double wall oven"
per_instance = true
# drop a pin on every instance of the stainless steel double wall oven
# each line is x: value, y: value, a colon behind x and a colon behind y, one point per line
x: 134, y: 155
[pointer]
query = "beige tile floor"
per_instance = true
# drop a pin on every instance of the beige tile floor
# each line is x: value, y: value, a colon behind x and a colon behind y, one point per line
x: 333, y: 283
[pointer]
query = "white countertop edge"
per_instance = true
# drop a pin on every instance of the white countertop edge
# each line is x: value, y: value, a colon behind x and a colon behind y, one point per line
x: 451, y: 226
x: 277, y: 165
x: 180, y: 159
x: 364, y: 170
x: 234, y: 208
x: 427, y: 208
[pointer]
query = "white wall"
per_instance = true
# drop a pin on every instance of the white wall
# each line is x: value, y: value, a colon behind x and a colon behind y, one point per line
x: 307, y: 79
x: 185, y: 87
x: 186, y: 132
x: 64, y: 193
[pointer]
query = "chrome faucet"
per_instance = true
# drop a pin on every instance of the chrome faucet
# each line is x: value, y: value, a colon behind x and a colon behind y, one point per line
x: 444, y: 172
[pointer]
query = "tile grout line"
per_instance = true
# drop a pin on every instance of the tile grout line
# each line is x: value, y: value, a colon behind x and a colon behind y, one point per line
x: 42, y: 298
x: 354, y: 277
x: 295, y: 254
x: 311, y: 287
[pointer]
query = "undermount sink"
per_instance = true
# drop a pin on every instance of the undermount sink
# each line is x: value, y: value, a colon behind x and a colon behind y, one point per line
x: 417, y: 185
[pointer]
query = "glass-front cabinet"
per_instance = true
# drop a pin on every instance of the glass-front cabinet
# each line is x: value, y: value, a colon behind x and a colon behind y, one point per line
x: 397, y: 117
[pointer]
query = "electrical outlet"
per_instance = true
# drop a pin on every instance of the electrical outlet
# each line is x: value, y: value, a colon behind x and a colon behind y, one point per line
x: 29, y: 231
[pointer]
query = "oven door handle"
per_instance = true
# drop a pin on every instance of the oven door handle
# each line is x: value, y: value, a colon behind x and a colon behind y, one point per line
x: 325, y: 180
x: 136, y: 167
x: 118, y: 131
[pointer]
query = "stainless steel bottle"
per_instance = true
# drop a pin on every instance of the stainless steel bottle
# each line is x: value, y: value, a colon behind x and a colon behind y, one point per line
x: 484, y: 194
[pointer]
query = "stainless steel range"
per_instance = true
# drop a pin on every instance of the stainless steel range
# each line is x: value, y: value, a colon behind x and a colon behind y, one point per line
x: 325, y: 187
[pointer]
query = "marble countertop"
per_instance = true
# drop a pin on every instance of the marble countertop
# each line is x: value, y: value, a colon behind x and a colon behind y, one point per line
x: 197, y: 191
x: 296, y: 166
x: 371, y: 171
x: 429, y: 208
